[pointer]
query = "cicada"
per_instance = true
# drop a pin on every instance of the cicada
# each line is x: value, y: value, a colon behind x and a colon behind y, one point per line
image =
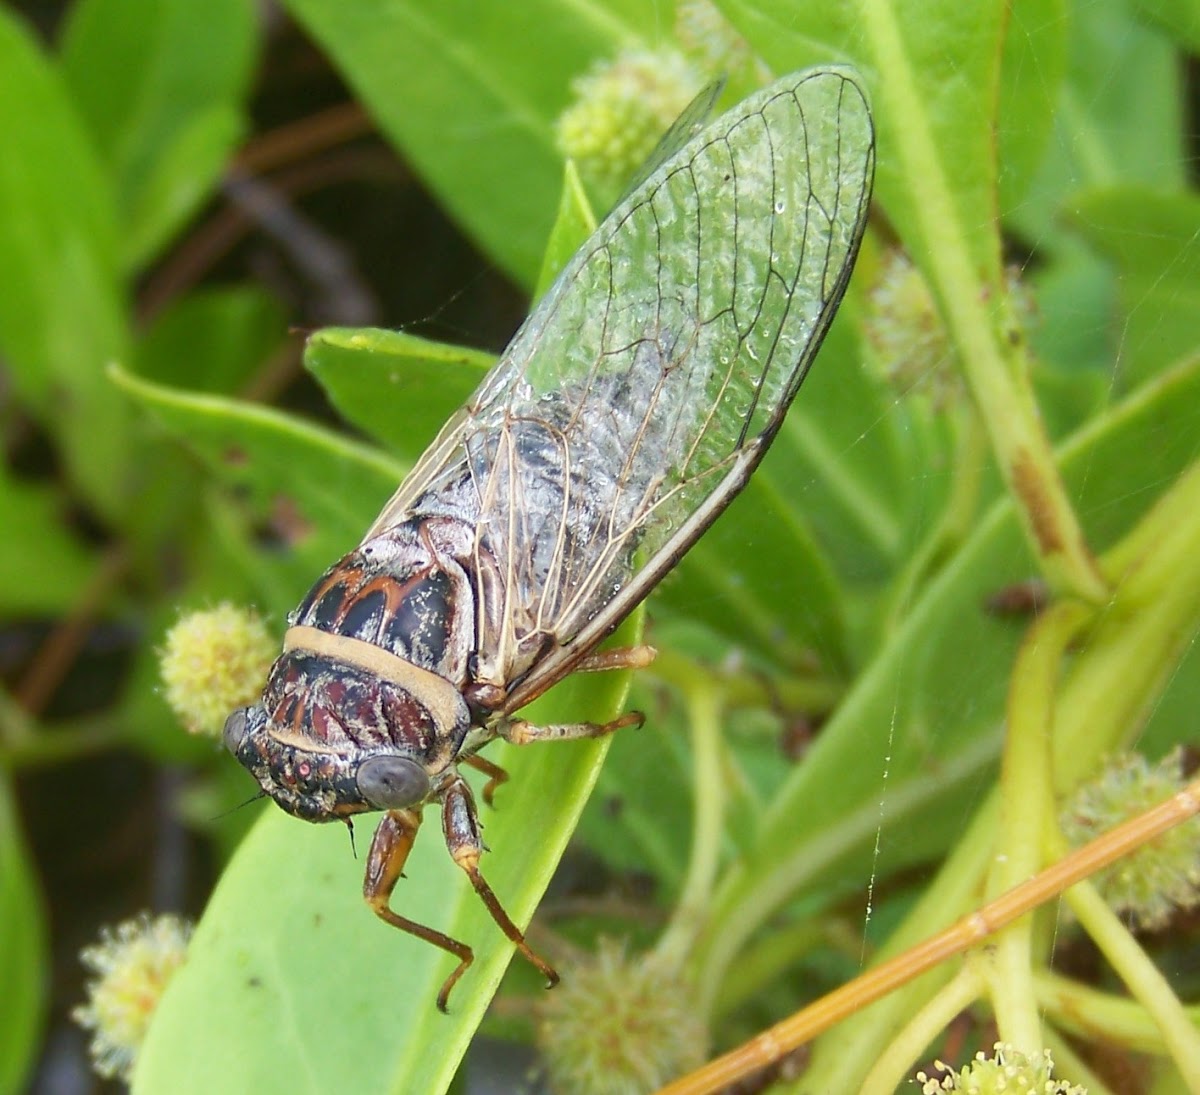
x: 628, y: 411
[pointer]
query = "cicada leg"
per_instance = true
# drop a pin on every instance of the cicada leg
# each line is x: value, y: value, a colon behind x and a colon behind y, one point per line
x: 465, y: 845
x: 520, y: 732
x: 390, y: 846
x: 496, y: 775
x: 620, y: 657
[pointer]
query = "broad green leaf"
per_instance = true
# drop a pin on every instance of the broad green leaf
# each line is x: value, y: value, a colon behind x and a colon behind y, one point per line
x: 847, y: 460
x: 212, y: 340
x: 1032, y: 71
x: 43, y: 568
x: 184, y: 175
x: 24, y: 963
x: 1120, y: 73
x: 896, y: 772
x: 573, y: 224
x: 330, y: 488
x: 1179, y: 18
x: 161, y: 84
x: 61, y: 308
x: 397, y: 388
x: 758, y: 579
x: 1076, y: 298
x: 470, y: 95
x: 289, y: 965
x: 1153, y: 238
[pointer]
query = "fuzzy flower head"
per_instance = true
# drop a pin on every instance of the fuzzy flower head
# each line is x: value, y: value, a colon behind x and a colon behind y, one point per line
x: 214, y: 661
x: 133, y: 965
x: 911, y: 347
x: 1007, y: 1072
x: 619, y: 1024
x: 620, y: 111
x: 710, y: 40
x: 1151, y: 884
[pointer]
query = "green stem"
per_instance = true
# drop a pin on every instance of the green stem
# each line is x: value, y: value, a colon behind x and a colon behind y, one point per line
x: 1099, y: 1016
x: 1135, y: 649
x: 1137, y: 971
x: 895, y: 1063
x: 23, y: 744
x: 1027, y: 803
x: 746, y: 688
x: 996, y: 375
x: 750, y: 893
x: 704, y: 710
x: 841, y: 1057
x: 766, y: 962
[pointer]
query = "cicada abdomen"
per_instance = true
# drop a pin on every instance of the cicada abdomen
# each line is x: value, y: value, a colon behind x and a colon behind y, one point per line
x: 631, y: 407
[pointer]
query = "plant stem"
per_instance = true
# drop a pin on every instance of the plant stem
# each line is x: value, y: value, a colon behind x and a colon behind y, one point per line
x: 1089, y: 1013
x: 704, y: 710
x: 1138, y: 972
x: 894, y: 1064
x: 997, y: 377
x: 1026, y: 804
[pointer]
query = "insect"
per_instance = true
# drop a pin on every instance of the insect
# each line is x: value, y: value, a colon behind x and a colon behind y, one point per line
x: 628, y: 411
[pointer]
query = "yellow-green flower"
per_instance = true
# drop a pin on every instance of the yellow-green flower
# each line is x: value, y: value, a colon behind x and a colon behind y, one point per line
x: 133, y: 965
x: 620, y: 111
x: 619, y: 1024
x: 712, y: 43
x: 912, y: 349
x: 1007, y: 1072
x: 1150, y: 884
x: 214, y: 661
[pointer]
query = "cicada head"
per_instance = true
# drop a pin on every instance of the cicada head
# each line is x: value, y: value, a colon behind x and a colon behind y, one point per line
x: 330, y: 740
x: 319, y: 785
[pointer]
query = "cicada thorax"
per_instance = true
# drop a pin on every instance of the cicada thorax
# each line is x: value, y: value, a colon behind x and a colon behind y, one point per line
x: 378, y: 653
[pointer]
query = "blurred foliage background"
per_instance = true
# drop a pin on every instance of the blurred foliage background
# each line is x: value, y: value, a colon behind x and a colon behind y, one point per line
x: 188, y: 188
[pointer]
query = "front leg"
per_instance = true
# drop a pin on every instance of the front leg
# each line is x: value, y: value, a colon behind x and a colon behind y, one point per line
x: 390, y: 846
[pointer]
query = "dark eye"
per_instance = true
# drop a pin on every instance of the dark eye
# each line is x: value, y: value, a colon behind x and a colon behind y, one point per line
x: 392, y: 783
x: 237, y: 729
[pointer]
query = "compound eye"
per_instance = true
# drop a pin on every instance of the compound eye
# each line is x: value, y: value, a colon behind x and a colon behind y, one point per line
x: 392, y: 783
x: 237, y: 729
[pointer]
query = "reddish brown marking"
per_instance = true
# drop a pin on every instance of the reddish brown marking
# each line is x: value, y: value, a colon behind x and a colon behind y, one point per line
x: 1028, y: 485
x: 349, y: 579
x: 393, y: 594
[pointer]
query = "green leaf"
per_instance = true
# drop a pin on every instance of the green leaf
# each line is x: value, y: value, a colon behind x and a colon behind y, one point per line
x: 161, y: 83
x: 43, y: 568
x: 288, y: 965
x: 572, y: 226
x: 1120, y: 73
x: 61, y: 310
x: 1179, y: 18
x: 470, y: 95
x: 397, y: 388
x: 1032, y: 73
x: 329, y: 487
x: 1151, y: 236
x: 24, y: 963
x: 212, y: 340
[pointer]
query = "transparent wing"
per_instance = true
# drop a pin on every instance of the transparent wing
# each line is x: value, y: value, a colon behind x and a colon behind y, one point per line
x: 637, y: 398
x: 682, y: 130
